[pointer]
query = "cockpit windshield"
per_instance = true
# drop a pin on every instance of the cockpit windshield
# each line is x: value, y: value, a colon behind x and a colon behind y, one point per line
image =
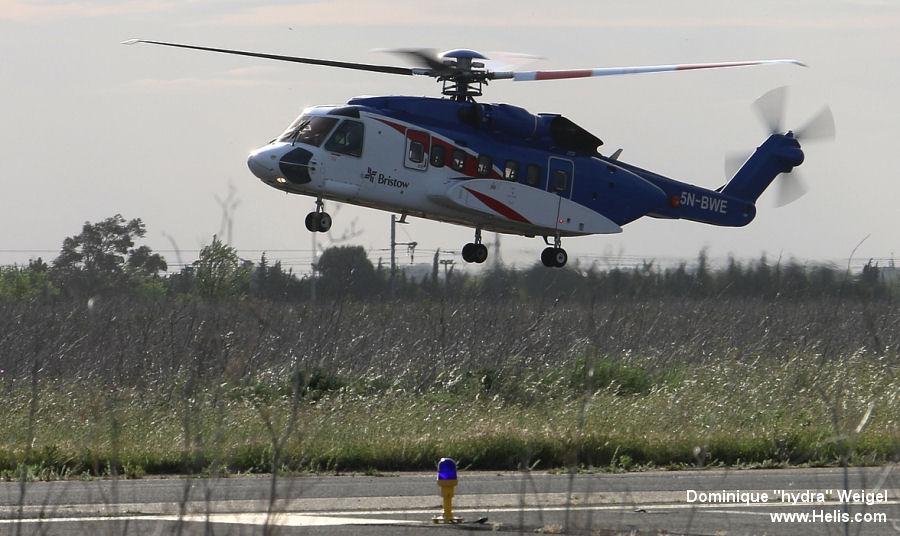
x: 309, y: 129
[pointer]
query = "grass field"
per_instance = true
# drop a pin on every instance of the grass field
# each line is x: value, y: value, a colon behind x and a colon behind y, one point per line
x: 188, y: 388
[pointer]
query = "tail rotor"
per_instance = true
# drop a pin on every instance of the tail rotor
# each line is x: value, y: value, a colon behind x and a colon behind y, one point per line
x: 770, y: 108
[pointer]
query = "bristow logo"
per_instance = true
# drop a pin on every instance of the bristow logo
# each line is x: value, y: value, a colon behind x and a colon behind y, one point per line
x: 372, y: 175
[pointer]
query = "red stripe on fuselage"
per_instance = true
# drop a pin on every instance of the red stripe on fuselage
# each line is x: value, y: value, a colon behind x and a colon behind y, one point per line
x: 469, y: 169
x: 498, y: 206
x: 399, y: 128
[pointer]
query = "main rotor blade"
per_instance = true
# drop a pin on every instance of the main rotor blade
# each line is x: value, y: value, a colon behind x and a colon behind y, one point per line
x: 820, y: 127
x: 422, y: 57
x: 508, y: 61
x: 312, y: 61
x: 527, y: 76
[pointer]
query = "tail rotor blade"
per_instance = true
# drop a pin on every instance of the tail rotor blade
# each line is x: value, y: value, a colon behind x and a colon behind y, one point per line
x: 790, y: 188
x: 771, y: 108
x: 733, y: 163
x: 820, y: 127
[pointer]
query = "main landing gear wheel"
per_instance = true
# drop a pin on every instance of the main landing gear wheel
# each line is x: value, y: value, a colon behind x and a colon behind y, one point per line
x: 477, y: 253
x: 554, y: 257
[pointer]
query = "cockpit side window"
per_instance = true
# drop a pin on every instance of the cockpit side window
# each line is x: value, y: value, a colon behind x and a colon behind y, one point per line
x: 347, y: 139
x: 310, y: 130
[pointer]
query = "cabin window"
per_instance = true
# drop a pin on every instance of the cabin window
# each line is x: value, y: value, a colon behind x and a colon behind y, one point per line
x: 416, y: 152
x: 458, y: 160
x: 347, y: 139
x: 560, y: 180
x: 511, y: 170
x: 438, y: 155
x: 533, y: 175
x: 417, y: 143
x: 485, y: 165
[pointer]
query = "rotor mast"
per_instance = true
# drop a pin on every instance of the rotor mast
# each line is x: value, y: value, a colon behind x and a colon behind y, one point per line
x: 462, y: 76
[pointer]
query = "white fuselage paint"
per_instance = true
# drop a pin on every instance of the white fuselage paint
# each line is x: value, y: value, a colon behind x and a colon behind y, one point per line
x: 383, y: 177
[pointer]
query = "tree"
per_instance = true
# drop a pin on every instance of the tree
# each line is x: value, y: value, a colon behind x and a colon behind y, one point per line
x: 220, y: 273
x: 22, y: 284
x: 347, y: 271
x: 271, y: 282
x: 101, y: 257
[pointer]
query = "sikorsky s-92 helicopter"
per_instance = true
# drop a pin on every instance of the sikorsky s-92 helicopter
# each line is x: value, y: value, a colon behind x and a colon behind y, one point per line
x: 498, y: 167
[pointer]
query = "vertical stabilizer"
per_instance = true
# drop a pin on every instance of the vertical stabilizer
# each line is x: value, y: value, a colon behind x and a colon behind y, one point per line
x: 779, y: 154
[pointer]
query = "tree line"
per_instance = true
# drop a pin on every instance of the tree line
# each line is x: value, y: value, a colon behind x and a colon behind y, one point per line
x: 104, y: 260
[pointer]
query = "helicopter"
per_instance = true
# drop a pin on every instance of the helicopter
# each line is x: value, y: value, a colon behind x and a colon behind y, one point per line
x: 498, y: 167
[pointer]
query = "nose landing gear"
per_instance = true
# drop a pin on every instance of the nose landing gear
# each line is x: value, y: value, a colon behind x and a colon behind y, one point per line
x: 318, y: 221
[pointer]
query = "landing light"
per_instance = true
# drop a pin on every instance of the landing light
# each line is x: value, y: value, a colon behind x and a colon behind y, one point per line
x: 280, y: 180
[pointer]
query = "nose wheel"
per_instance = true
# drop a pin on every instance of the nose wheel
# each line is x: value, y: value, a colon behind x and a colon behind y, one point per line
x: 475, y: 251
x: 318, y: 221
x: 554, y: 256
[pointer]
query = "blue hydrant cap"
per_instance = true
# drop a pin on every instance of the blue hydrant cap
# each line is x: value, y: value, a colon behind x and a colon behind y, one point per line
x: 447, y: 469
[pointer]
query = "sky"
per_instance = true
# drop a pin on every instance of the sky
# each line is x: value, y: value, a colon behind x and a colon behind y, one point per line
x: 91, y: 128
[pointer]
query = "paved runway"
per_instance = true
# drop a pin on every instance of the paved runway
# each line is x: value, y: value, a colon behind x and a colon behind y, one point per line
x: 684, y: 502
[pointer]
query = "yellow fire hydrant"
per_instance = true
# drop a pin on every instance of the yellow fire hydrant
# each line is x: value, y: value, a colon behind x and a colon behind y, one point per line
x: 446, y: 479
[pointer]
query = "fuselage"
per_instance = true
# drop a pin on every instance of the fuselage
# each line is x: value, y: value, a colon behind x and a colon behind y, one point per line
x: 411, y: 155
x: 494, y: 167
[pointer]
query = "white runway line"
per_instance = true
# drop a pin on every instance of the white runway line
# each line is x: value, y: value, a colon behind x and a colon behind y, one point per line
x: 282, y: 520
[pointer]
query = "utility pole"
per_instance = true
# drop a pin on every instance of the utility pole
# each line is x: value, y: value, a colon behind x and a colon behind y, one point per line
x: 315, y: 267
x: 393, y: 254
x: 448, y: 268
x: 410, y: 245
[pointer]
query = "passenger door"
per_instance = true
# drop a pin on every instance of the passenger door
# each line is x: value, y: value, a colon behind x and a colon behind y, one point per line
x: 560, y: 176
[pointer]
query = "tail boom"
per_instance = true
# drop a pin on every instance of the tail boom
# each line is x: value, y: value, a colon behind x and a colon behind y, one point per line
x: 733, y: 205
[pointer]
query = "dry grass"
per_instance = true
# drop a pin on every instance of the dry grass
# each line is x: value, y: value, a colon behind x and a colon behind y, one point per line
x: 186, y: 388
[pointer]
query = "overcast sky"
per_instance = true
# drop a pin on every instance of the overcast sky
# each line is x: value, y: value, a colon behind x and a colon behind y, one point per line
x: 91, y: 128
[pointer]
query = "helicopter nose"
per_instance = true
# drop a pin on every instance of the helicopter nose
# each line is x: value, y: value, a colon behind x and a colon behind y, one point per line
x: 263, y: 163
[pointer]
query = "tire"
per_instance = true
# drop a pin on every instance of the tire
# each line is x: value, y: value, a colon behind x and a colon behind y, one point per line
x: 312, y: 222
x: 554, y: 257
x: 560, y: 257
x: 547, y: 258
x: 324, y: 222
x: 468, y: 254
x: 480, y: 253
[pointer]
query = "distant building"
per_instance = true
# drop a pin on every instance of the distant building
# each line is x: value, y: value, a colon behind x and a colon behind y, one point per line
x: 890, y: 274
